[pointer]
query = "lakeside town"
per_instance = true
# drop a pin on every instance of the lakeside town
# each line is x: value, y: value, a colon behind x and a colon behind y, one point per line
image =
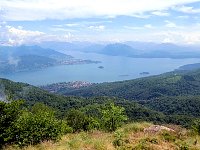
x: 57, y: 87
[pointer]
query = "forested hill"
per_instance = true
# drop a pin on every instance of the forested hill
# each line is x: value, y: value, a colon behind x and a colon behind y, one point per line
x: 62, y: 104
x: 177, y: 83
x: 162, y: 111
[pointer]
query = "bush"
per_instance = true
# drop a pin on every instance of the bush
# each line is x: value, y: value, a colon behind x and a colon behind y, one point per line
x: 196, y: 126
x: 9, y: 113
x: 38, y: 125
x: 80, y: 121
x: 22, y: 127
x: 168, y: 137
x: 113, y: 117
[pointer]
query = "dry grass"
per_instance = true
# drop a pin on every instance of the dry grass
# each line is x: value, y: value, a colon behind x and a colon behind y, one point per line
x: 129, y: 137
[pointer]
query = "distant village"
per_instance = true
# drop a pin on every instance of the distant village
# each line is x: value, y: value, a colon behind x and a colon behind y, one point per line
x: 55, y: 87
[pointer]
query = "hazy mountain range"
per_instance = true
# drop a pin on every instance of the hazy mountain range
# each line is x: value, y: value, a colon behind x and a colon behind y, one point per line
x: 46, y: 54
x: 25, y: 58
x: 129, y: 48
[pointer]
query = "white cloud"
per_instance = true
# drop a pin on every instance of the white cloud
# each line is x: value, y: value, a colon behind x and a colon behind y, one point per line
x: 61, y: 29
x: 72, y: 24
x: 170, y: 24
x: 160, y: 13
x: 97, y: 28
x: 133, y: 27
x: 186, y: 9
x: 64, y: 9
x: 149, y: 26
x: 82, y: 24
x: 16, y: 36
x: 178, y: 37
x: 140, y: 15
x: 183, y: 17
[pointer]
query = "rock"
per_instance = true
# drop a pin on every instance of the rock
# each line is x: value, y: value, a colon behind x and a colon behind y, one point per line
x: 157, y: 128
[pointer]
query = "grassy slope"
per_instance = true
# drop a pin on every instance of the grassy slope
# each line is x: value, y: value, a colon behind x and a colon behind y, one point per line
x: 132, y: 136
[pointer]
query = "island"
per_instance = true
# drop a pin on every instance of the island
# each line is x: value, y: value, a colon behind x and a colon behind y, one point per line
x: 123, y: 75
x: 144, y: 73
x: 101, y: 67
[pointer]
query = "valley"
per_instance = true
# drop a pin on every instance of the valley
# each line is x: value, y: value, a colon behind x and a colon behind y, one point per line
x: 99, y: 75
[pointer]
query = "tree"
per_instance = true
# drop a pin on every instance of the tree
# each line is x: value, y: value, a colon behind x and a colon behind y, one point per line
x: 113, y: 117
x: 9, y: 113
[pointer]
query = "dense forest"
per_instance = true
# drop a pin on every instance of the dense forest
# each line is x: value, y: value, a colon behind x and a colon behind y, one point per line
x: 177, y: 83
x: 144, y: 99
x: 174, y: 94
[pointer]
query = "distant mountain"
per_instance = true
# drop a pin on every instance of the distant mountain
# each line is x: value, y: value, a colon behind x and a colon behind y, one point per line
x: 26, y: 63
x: 118, y: 49
x: 6, y: 52
x: 170, y: 47
x: 94, y: 48
x: 165, y: 50
x: 143, y: 46
x: 130, y: 49
x: 24, y: 58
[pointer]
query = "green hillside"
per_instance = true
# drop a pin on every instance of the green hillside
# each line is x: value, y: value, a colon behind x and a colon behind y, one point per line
x: 175, y: 94
x: 32, y: 95
x: 168, y: 84
x: 32, y: 122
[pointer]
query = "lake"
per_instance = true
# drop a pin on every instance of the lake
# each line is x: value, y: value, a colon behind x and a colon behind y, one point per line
x: 115, y: 68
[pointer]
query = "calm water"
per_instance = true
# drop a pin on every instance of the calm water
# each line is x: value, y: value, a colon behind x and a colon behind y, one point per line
x: 115, y: 69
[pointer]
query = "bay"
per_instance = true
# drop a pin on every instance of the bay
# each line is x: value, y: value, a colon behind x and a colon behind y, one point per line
x: 114, y: 68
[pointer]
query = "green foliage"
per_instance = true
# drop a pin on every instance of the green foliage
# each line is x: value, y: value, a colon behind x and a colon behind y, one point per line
x: 80, y: 121
x: 119, y: 139
x: 168, y: 98
x: 113, y: 117
x: 39, y: 125
x: 23, y: 127
x: 168, y: 137
x: 142, y: 145
x: 184, y: 146
x: 148, y: 88
x: 9, y: 113
x: 196, y: 126
x: 175, y: 94
x: 179, y: 105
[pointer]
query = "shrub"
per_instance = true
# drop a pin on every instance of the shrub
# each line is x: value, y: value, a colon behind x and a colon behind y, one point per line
x: 168, y: 137
x: 38, y: 125
x: 113, y: 117
x: 9, y: 113
x: 80, y: 121
x: 196, y: 126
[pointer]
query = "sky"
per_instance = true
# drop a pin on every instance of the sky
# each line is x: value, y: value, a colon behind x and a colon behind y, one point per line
x: 161, y: 21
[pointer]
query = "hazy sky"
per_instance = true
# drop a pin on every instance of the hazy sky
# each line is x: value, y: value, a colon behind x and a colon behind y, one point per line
x: 29, y: 21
